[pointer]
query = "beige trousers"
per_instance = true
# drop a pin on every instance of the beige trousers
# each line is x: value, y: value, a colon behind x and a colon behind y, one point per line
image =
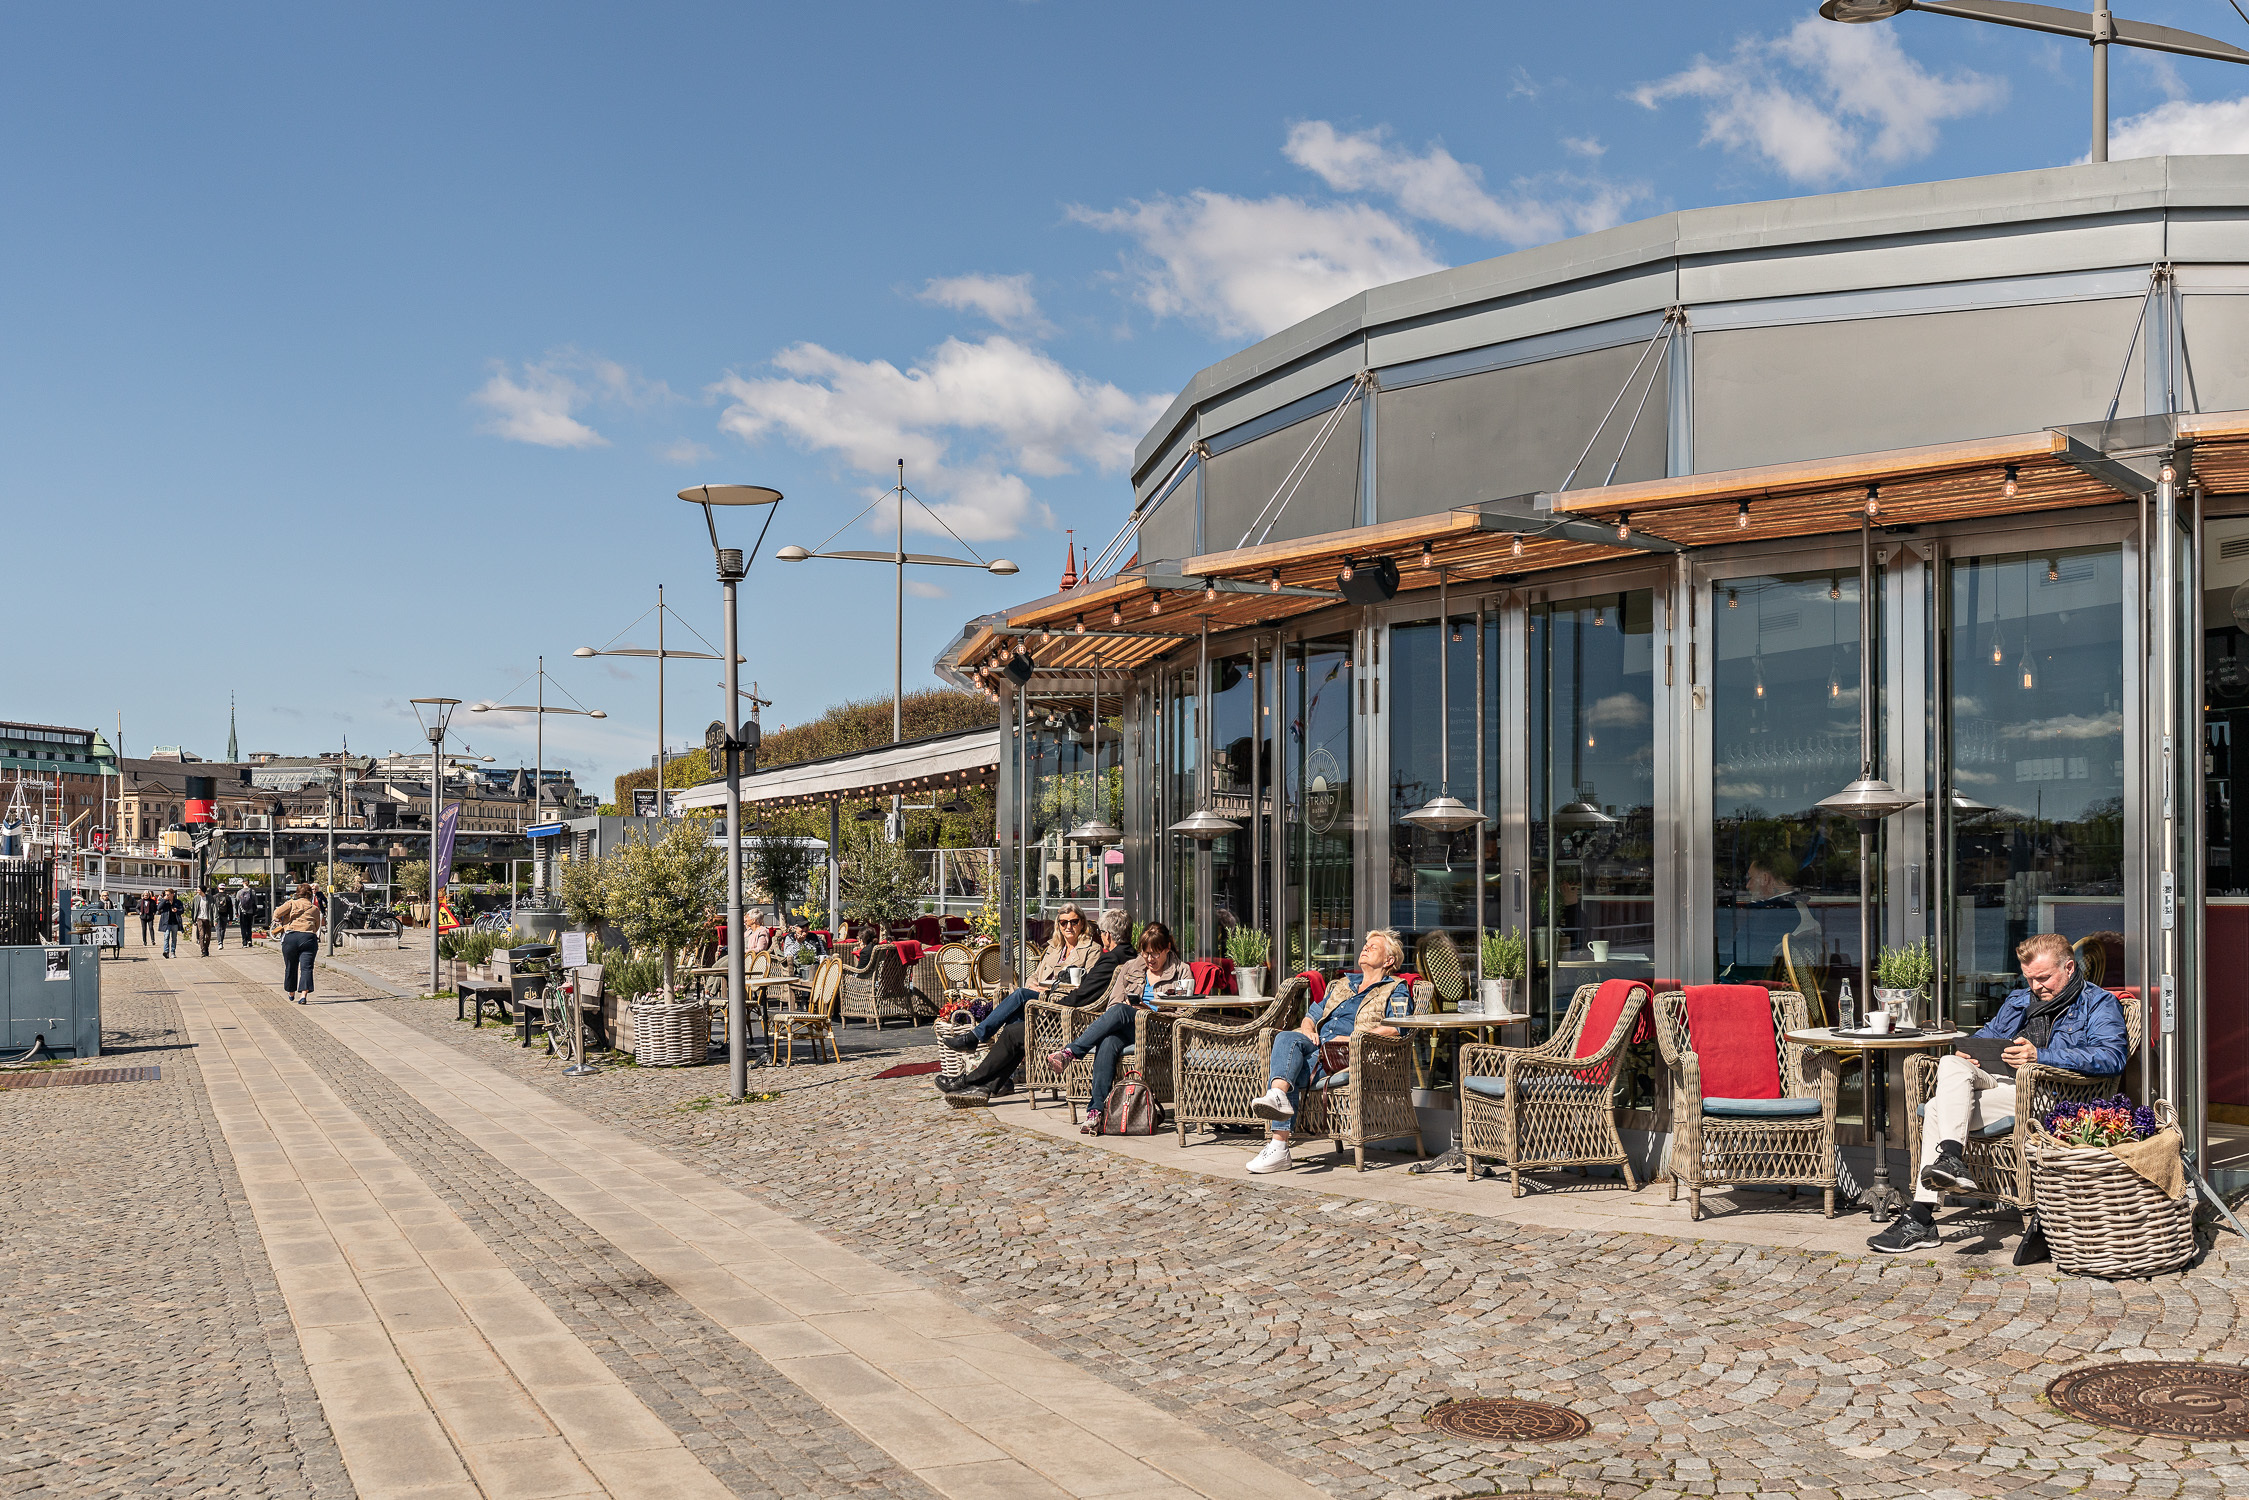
x: 1966, y: 1097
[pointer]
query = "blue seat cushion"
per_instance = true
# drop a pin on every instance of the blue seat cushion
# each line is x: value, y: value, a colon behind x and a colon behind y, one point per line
x: 1761, y: 1109
x: 1220, y: 1059
x: 1333, y: 1081
x: 1489, y: 1088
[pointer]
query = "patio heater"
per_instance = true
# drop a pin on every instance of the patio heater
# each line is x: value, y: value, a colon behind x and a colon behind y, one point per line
x: 731, y: 567
x: 1203, y: 825
x: 1096, y: 830
x: 1444, y: 813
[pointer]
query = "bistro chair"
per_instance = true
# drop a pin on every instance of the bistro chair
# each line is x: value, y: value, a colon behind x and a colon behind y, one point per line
x: 1371, y: 1100
x: 1994, y: 1150
x: 1438, y: 961
x: 956, y: 972
x: 1554, y: 1105
x: 878, y: 992
x: 995, y: 976
x: 1216, y: 1066
x: 1748, y: 1106
x: 815, y: 1023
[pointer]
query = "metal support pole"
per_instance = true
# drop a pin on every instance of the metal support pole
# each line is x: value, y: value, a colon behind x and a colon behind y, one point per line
x: 2167, y: 708
x: 1483, y: 792
x: 737, y: 1045
x: 898, y: 659
x: 436, y: 808
x: 661, y: 799
x: 1866, y: 771
x: 538, y: 792
x: 2104, y: 27
x: 835, y: 863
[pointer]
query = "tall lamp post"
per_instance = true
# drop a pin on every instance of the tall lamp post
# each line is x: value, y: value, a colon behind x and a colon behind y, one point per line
x: 897, y: 558
x: 2099, y: 28
x: 731, y: 568
x: 661, y: 655
x: 440, y: 714
x: 541, y: 708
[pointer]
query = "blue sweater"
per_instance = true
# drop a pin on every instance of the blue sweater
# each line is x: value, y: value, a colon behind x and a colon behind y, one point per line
x: 2089, y: 1038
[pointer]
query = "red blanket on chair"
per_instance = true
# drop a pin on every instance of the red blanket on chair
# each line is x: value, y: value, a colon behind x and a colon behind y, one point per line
x: 1730, y: 1028
x: 1600, y: 1020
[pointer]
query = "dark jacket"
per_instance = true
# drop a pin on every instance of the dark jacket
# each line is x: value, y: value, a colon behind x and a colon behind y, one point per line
x: 1094, y: 988
x: 2089, y: 1038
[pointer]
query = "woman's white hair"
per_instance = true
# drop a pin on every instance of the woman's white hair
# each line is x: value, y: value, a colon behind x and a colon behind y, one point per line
x: 1397, y: 945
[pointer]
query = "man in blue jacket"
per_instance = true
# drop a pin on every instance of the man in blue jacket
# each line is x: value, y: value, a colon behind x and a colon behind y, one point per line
x: 2060, y: 1020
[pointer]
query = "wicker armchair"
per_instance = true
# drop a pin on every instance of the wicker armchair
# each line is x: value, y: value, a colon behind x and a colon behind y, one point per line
x: 1048, y: 1026
x: 1372, y: 1100
x: 1546, y: 1106
x: 1994, y: 1152
x: 878, y: 992
x: 1217, y: 1066
x: 1789, y: 1140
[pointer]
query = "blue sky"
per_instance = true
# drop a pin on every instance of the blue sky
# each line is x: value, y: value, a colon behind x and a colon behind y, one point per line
x: 352, y: 355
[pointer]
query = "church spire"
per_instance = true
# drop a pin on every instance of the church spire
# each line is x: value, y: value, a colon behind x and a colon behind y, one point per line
x: 233, y: 746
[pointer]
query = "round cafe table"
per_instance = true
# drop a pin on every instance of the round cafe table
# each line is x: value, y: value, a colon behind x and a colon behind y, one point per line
x: 1452, y: 1026
x: 1882, y: 1200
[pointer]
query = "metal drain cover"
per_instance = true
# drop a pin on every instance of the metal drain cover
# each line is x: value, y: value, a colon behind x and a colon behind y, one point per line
x: 1498, y: 1420
x: 2159, y: 1398
x: 58, y: 1077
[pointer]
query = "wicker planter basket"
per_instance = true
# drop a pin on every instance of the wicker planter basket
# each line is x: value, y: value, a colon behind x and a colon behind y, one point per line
x: 671, y: 1036
x: 2102, y: 1218
x: 951, y: 1064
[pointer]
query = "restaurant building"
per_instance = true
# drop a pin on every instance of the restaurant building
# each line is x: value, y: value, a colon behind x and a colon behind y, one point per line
x: 1644, y: 468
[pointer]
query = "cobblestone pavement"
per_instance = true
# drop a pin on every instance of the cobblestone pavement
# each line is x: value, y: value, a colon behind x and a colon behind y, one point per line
x: 144, y: 1347
x: 1321, y: 1330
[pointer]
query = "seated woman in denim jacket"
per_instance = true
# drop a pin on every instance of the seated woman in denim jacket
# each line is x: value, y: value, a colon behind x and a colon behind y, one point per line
x: 1357, y: 1003
x: 1155, y: 970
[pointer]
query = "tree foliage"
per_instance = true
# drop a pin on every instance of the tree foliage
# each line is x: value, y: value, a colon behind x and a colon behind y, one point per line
x: 585, y: 891
x: 340, y: 877
x: 882, y: 881
x: 411, y: 879
x: 780, y: 866
x: 660, y: 894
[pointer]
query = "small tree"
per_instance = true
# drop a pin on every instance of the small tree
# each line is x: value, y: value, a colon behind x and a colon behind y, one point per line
x: 882, y: 882
x: 781, y: 866
x: 585, y: 891
x: 411, y: 879
x: 660, y: 895
x: 341, y: 877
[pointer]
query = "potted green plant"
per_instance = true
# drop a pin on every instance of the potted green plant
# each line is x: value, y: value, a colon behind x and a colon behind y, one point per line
x: 1504, y: 969
x: 1249, y: 949
x: 1901, y: 979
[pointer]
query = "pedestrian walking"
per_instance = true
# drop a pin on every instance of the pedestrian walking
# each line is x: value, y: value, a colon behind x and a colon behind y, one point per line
x: 298, y: 922
x: 245, y: 912
x: 208, y: 917
x: 171, y: 913
x: 146, y: 906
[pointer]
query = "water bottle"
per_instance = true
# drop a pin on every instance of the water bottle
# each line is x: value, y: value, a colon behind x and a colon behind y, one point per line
x: 1845, y: 1011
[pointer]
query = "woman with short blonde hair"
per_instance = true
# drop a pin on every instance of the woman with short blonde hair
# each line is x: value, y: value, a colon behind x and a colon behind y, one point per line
x: 1356, y: 1003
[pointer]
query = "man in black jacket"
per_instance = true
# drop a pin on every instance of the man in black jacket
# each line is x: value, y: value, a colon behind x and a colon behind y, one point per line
x: 995, y: 1075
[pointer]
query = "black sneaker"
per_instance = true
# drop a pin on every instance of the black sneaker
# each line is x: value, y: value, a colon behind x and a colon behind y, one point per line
x: 1948, y: 1173
x: 2032, y: 1250
x: 961, y: 1041
x: 1905, y: 1235
x: 968, y: 1098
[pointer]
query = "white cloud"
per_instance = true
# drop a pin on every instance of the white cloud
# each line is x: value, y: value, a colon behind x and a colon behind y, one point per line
x: 921, y: 590
x: 1005, y: 300
x: 2184, y: 128
x: 1437, y: 187
x: 969, y: 420
x: 1584, y: 145
x: 683, y: 451
x: 540, y: 406
x: 1824, y: 102
x: 1254, y: 266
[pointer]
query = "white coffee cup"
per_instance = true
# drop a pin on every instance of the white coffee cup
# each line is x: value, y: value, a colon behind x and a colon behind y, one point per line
x: 1878, y: 1022
x: 1599, y: 948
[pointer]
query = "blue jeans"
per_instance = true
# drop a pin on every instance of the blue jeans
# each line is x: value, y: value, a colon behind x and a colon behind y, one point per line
x: 1108, y: 1036
x: 298, y: 952
x: 1004, y: 1013
x: 171, y: 940
x: 1293, y: 1056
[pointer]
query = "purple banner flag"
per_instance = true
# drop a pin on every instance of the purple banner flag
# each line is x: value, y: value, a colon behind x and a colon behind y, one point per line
x: 447, y: 822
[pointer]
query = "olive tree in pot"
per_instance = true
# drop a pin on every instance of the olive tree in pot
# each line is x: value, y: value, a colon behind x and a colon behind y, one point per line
x: 882, y: 883
x: 661, y: 894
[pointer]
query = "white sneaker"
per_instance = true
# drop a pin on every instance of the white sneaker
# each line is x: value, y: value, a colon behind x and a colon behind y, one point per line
x: 1273, y: 1105
x: 1274, y: 1158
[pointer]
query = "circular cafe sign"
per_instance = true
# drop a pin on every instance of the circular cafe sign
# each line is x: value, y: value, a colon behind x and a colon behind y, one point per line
x: 1323, y: 790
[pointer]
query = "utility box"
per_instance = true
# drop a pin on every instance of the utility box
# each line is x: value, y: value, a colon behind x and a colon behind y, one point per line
x: 51, y: 992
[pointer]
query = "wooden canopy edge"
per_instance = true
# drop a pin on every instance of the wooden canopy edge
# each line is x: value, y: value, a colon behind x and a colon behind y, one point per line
x: 1812, y: 474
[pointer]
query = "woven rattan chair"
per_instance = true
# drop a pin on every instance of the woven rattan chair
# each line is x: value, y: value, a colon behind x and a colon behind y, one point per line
x: 1994, y: 1151
x: 879, y: 992
x: 1530, y: 1108
x: 1438, y: 961
x: 956, y: 969
x: 995, y: 976
x: 1048, y: 1027
x: 1217, y: 1066
x: 1371, y: 1100
x: 1789, y: 1140
x: 816, y: 1022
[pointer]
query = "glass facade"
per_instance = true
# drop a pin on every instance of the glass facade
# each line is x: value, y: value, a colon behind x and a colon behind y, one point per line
x: 1318, y: 898
x: 1432, y: 876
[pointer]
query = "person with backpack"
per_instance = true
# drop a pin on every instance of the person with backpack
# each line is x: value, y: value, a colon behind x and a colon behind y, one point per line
x: 245, y: 912
x: 1357, y: 1003
x: 1155, y: 970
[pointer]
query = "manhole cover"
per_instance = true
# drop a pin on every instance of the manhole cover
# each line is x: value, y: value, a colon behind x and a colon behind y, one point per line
x: 1502, y: 1421
x: 58, y: 1077
x: 2159, y: 1398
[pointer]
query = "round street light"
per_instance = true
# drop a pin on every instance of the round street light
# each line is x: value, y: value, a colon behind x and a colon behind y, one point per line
x: 1858, y: 12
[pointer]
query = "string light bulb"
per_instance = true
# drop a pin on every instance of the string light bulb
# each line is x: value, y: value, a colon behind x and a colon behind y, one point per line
x: 1741, y: 516
x: 1081, y: 625
x: 1515, y: 548
x: 1116, y: 614
x: 1624, y: 527
x: 2008, y: 486
x: 1345, y: 575
x: 1210, y: 591
x: 1428, y: 559
x: 1273, y: 584
x: 1156, y: 603
x: 1834, y: 587
x: 2053, y: 570
x: 1873, y: 501
x: 1733, y: 599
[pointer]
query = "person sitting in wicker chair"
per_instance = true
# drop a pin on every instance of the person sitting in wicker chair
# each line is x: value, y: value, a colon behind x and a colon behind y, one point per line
x: 1073, y: 947
x: 995, y: 1075
x: 2060, y: 1019
x: 1358, y: 1002
x: 1134, y: 985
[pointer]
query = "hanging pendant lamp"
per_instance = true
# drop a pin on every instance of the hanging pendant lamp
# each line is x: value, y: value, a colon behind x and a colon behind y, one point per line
x: 1202, y: 824
x: 1443, y: 813
x: 1095, y: 830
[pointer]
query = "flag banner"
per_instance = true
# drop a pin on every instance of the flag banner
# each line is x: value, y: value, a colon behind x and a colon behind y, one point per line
x: 447, y: 822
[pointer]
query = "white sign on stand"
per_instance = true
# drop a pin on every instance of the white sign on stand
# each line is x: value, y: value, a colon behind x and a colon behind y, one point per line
x: 573, y: 950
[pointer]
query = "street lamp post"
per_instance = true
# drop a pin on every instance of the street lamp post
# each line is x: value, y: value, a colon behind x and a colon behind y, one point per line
x: 2099, y: 28
x: 661, y: 655
x: 898, y: 557
x: 731, y: 568
x: 433, y: 728
x: 541, y: 708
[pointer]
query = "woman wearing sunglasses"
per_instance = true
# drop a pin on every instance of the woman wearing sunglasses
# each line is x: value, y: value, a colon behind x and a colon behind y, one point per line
x: 1073, y: 947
